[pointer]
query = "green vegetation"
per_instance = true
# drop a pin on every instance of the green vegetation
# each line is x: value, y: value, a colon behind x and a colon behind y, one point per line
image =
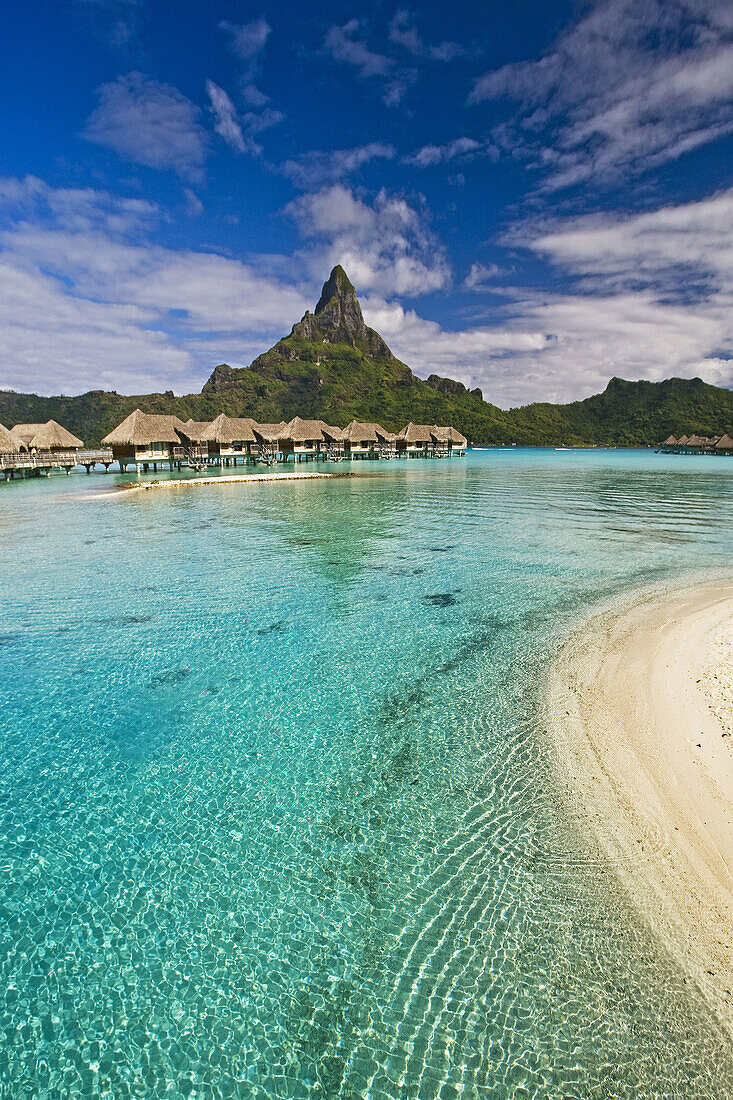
x: 345, y: 386
x: 332, y: 367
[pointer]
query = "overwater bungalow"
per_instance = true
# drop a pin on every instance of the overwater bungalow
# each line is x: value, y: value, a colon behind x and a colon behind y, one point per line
x: 146, y: 439
x: 448, y: 441
x: 49, y: 437
x: 303, y: 440
x: 367, y: 440
x: 415, y: 441
x: 698, y: 445
x: 231, y: 437
x: 193, y: 431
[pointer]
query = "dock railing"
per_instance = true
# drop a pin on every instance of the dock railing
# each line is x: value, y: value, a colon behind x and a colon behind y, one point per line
x: 100, y: 455
x: 37, y: 460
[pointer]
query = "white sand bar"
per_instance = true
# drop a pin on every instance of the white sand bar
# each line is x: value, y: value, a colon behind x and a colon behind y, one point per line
x: 640, y: 709
x: 242, y: 479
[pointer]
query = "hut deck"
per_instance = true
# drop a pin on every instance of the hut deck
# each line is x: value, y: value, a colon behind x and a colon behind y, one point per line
x: 37, y: 464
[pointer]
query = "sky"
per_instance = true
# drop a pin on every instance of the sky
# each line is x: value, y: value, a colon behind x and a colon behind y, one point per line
x: 530, y: 196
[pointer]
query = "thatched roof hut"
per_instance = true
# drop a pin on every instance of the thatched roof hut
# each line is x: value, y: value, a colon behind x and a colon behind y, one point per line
x: 682, y: 441
x: 194, y: 430
x: 416, y: 433
x: 230, y: 429
x: 303, y: 431
x: 670, y: 441
x: 269, y: 432
x: 8, y: 444
x: 46, y: 437
x: 357, y: 431
x: 140, y: 429
x: 695, y: 441
x: 725, y: 443
x: 448, y: 435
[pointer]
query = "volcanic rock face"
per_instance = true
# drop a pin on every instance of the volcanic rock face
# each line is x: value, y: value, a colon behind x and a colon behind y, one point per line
x: 450, y: 385
x: 338, y: 319
x: 220, y: 379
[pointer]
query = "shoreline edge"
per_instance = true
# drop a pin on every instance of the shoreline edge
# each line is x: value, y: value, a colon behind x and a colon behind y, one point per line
x: 639, y: 709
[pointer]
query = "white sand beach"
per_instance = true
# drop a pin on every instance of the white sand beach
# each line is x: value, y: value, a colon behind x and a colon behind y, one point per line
x: 241, y: 479
x: 640, y: 709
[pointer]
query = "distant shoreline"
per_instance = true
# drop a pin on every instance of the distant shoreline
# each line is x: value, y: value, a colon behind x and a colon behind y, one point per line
x: 640, y: 714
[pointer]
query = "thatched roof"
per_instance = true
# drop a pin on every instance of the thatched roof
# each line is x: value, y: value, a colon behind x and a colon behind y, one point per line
x: 725, y: 443
x: 230, y: 429
x: 695, y: 441
x: 670, y: 441
x: 46, y: 437
x: 23, y: 433
x: 361, y: 432
x: 269, y: 432
x: 416, y: 433
x: 8, y: 444
x: 448, y: 435
x: 301, y: 431
x: 682, y: 441
x: 194, y: 429
x: 139, y: 428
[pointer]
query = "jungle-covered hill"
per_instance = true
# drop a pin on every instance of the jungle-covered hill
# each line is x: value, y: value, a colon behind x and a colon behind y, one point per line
x: 333, y: 367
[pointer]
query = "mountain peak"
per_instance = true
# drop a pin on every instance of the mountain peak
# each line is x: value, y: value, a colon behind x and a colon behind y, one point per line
x: 338, y: 318
x: 338, y: 286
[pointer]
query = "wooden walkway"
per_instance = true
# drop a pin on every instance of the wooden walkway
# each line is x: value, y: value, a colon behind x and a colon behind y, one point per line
x: 40, y: 463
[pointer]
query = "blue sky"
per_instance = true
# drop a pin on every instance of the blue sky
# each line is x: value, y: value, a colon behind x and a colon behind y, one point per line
x: 530, y: 196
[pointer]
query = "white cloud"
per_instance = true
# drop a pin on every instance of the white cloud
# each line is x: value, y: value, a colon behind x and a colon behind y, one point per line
x: 676, y: 251
x: 479, y: 276
x: 386, y: 247
x: 55, y: 342
x: 149, y: 123
x: 247, y: 39
x: 86, y: 301
x: 226, y: 123
x: 256, y: 122
x: 628, y: 87
x: 464, y: 147
x: 194, y: 205
x: 562, y: 347
x: 319, y: 167
x: 653, y: 299
x: 252, y: 96
x: 342, y: 44
x: 73, y: 208
x: 402, y: 31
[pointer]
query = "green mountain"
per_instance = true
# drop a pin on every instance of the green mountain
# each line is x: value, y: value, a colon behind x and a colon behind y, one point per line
x: 334, y: 367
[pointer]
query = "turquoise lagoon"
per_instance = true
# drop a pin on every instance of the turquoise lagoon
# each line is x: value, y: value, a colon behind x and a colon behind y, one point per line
x: 278, y: 817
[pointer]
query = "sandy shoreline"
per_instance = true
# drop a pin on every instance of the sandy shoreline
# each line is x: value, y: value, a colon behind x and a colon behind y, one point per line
x: 180, y: 482
x: 640, y: 711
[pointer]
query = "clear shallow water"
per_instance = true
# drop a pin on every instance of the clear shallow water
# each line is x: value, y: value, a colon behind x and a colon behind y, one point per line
x: 276, y: 814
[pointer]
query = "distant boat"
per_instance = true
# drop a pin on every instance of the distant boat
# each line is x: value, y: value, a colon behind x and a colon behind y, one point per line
x: 563, y: 448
